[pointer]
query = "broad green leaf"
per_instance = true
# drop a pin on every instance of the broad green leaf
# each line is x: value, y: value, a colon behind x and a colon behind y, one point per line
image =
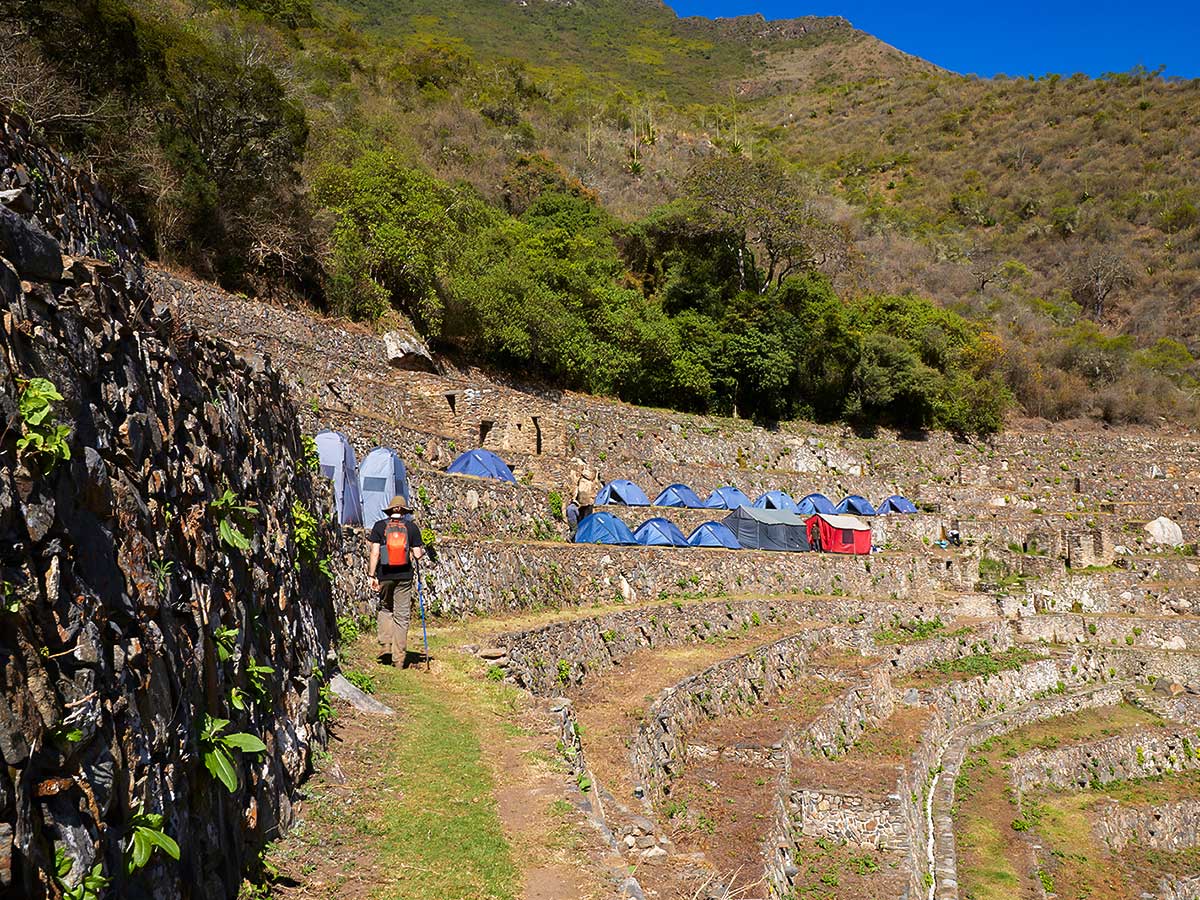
x: 164, y: 842
x: 247, y: 743
x: 221, y: 766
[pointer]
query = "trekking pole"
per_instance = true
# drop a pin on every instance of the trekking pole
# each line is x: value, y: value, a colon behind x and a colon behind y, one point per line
x: 421, y: 604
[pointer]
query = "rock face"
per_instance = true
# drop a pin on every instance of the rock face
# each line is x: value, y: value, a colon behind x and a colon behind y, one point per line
x: 125, y: 620
x: 1163, y: 531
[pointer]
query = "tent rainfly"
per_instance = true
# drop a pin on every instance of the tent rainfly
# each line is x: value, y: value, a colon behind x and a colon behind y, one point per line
x: 775, y: 500
x: 678, y: 495
x: 381, y: 476
x: 813, y: 504
x: 839, y: 533
x: 726, y: 497
x: 623, y: 492
x: 339, y: 466
x: 856, y: 506
x: 482, y: 464
x: 713, y: 534
x: 603, y: 528
x: 767, y: 529
x: 660, y: 532
x: 896, y: 504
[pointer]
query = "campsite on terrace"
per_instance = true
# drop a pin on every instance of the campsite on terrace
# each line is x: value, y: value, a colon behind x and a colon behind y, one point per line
x: 598, y: 450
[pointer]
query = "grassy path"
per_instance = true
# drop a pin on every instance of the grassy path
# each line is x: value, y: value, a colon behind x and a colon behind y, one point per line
x: 454, y: 797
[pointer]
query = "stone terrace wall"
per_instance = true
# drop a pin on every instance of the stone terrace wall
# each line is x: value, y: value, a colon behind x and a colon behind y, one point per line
x: 658, y: 751
x: 1139, y: 664
x: 1170, y: 634
x: 1167, y: 826
x: 473, y: 577
x: 119, y: 581
x: 1143, y: 754
x: 75, y: 210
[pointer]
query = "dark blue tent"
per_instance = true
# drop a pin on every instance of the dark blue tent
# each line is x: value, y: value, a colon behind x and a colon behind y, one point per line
x: 339, y: 466
x: 713, y: 534
x: 659, y: 532
x: 813, y: 504
x: 678, y: 495
x: 896, y: 504
x: 726, y: 498
x: 483, y: 464
x: 855, y: 506
x: 775, y: 500
x: 624, y: 492
x: 603, y: 528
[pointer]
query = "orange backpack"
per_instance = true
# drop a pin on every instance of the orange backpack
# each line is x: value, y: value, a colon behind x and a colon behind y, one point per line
x: 394, y: 551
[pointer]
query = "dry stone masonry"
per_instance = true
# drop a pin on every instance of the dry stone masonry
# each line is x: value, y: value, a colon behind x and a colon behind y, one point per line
x: 127, y: 622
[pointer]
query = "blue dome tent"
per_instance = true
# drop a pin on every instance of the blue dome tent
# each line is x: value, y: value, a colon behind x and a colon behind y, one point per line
x: 623, y: 492
x: 678, y: 495
x: 659, y: 532
x: 713, y: 534
x: 855, y: 506
x: 775, y: 500
x: 813, y: 504
x: 339, y: 466
x: 896, y: 504
x: 603, y: 528
x: 482, y: 464
x: 381, y: 476
x: 726, y: 498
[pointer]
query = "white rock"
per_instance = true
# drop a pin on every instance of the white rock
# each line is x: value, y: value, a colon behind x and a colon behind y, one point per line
x: 1175, y: 643
x: 655, y: 856
x: 407, y: 352
x: 1163, y: 531
x: 472, y: 499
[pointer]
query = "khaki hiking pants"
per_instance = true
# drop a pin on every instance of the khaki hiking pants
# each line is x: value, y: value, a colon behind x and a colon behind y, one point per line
x: 395, y: 612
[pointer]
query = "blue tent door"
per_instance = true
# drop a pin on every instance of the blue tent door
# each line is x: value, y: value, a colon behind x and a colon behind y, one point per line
x: 339, y: 466
x: 381, y: 476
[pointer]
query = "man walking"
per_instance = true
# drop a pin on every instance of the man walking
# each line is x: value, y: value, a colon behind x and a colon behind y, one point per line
x: 396, y: 544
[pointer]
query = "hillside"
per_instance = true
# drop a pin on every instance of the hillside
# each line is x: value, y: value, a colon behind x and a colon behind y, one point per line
x: 1058, y: 215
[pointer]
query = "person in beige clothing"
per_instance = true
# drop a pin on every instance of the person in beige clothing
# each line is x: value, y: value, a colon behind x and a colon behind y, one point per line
x: 583, y: 488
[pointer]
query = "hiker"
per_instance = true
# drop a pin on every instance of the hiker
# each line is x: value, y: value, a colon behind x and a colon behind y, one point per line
x: 573, y: 517
x: 584, y: 487
x: 396, y: 544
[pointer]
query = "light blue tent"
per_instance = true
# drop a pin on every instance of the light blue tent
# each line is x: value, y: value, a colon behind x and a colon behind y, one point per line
x: 855, y: 506
x: 726, y: 498
x: 603, y: 528
x: 381, y: 476
x: 660, y: 532
x: 339, y: 466
x: 896, y: 504
x: 775, y: 500
x: 813, y: 504
x: 623, y: 492
x: 713, y: 534
x: 482, y: 464
x: 678, y: 495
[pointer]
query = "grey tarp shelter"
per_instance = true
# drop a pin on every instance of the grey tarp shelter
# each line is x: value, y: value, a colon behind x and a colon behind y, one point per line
x: 381, y: 476
x: 767, y: 529
x: 339, y: 466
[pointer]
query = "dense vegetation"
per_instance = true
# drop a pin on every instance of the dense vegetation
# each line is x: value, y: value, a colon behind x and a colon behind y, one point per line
x: 574, y: 192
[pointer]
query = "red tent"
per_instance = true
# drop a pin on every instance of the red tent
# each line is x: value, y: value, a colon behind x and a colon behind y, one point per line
x: 838, y: 533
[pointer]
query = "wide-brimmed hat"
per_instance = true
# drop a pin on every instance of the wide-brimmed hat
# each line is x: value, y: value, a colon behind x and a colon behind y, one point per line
x: 398, y: 504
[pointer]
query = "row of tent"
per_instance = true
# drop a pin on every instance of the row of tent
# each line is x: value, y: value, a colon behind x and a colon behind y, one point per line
x: 626, y: 493
x: 362, y: 490
x: 744, y: 528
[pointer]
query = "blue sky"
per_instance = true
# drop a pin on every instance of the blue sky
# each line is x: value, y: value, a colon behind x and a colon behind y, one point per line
x: 1018, y: 37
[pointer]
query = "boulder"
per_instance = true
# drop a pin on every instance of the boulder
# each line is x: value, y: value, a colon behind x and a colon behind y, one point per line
x: 19, y: 199
x: 1163, y: 531
x: 407, y: 352
x: 360, y: 700
x: 35, y: 255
